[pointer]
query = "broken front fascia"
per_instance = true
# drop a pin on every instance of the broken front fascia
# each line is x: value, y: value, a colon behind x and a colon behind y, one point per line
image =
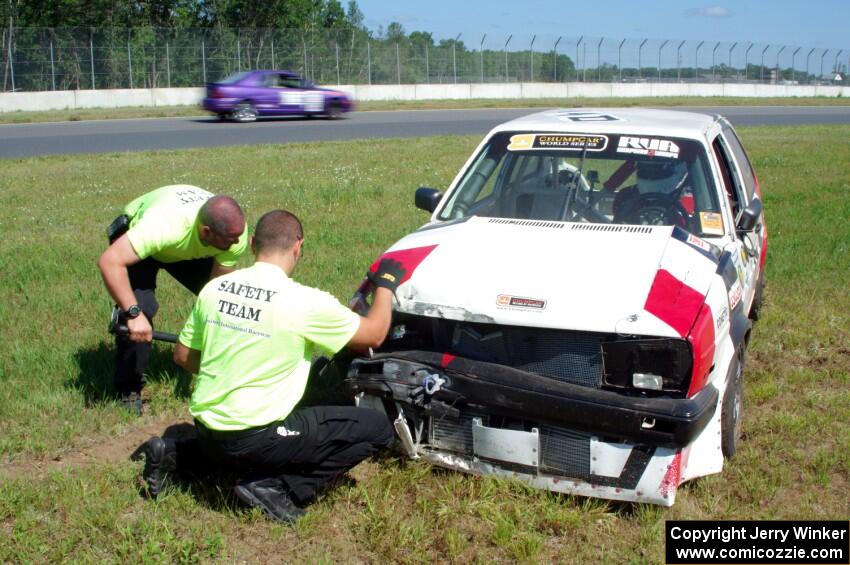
x: 490, y: 419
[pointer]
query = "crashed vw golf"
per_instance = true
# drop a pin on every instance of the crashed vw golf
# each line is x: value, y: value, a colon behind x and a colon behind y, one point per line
x: 577, y: 310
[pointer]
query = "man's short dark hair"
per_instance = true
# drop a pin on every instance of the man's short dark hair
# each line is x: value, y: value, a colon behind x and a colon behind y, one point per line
x: 277, y: 230
x: 222, y: 214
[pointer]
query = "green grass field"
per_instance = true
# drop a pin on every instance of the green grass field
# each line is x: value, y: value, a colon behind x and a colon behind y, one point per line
x: 68, y: 490
x: 19, y: 117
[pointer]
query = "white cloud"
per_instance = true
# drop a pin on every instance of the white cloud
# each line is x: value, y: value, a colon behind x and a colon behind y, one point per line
x: 710, y: 12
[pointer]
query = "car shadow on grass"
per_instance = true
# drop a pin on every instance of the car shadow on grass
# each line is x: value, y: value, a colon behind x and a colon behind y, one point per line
x: 95, y: 379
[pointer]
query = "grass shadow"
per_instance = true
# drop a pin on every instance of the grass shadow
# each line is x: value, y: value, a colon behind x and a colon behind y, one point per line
x: 95, y: 379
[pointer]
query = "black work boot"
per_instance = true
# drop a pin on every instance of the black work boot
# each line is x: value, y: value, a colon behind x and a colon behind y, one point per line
x: 132, y: 403
x: 271, y: 497
x: 160, y: 464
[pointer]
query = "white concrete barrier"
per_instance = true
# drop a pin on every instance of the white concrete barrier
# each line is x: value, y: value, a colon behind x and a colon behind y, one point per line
x: 79, y: 99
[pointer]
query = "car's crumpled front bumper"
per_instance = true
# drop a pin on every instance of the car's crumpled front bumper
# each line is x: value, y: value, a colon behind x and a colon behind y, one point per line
x: 492, y: 419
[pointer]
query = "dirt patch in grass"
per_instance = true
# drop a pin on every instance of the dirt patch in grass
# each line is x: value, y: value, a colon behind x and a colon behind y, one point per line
x: 89, y: 450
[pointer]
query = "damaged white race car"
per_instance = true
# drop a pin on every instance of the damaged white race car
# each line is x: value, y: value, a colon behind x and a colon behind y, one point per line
x: 577, y: 311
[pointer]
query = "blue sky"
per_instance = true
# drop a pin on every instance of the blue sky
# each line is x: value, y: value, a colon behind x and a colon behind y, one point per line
x: 820, y: 24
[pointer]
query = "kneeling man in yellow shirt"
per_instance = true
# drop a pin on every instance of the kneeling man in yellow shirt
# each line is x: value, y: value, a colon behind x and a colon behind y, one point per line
x: 250, y: 340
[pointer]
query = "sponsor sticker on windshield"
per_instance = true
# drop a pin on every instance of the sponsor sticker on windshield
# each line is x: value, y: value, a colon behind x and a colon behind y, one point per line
x: 561, y: 141
x: 710, y: 223
x: 513, y: 302
x: 648, y: 146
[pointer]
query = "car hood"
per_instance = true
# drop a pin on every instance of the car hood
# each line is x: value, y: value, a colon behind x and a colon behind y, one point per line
x: 590, y: 277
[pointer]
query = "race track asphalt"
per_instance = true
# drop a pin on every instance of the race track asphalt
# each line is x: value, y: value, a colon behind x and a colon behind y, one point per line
x: 100, y: 136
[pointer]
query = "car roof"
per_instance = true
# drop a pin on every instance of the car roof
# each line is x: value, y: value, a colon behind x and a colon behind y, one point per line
x: 272, y: 71
x: 628, y: 121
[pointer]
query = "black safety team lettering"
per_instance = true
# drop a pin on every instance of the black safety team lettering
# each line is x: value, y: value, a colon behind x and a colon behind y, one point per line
x: 189, y: 195
x: 241, y: 310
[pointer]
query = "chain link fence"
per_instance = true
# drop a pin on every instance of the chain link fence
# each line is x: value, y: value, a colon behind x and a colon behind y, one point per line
x: 36, y: 59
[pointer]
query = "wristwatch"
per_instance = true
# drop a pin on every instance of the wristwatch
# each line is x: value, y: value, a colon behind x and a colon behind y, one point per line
x: 133, y: 311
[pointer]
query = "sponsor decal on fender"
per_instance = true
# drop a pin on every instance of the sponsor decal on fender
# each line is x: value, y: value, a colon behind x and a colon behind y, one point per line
x: 735, y: 294
x: 508, y: 301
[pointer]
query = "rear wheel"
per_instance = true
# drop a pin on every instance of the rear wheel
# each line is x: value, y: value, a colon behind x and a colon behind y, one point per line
x: 244, y: 112
x: 731, y: 412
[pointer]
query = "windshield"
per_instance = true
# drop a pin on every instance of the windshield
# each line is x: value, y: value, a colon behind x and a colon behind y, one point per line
x: 608, y: 178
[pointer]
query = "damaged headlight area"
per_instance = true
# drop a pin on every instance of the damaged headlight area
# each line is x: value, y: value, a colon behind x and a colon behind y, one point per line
x: 659, y: 365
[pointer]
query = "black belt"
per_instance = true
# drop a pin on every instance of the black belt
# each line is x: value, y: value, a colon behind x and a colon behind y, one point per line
x: 210, y: 433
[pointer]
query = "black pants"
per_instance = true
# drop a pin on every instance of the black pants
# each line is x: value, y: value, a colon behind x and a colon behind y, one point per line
x: 306, y: 450
x: 131, y: 358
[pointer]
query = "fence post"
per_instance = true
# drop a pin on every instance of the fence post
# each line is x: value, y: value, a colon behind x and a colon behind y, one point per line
x: 368, y: 62
x: 91, y: 59
x: 821, y: 63
x: 640, y: 48
x: 273, y: 65
x: 204, y: 59
x: 427, y: 70
x: 793, y: 66
x: 555, y: 60
x: 746, y: 63
x: 304, y: 74
x: 454, y: 59
x: 238, y: 55
x: 713, y: 66
x: 481, y: 54
x: 778, y: 77
x: 598, y: 60
x: 679, y: 61
x: 763, y: 51
x: 506, y: 57
x: 659, y: 58
x: 167, y: 64
x: 576, y: 65
x: 129, y: 60
x: 336, y: 48
x: 730, y: 57
x: 620, y: 59
x: 696, y: 61
x: 11, y: 61
x: 397, y: 65
x: 531, y: 48
x: 52, y: 69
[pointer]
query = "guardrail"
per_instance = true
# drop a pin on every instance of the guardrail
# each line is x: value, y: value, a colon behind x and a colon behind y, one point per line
x: 152, y: 97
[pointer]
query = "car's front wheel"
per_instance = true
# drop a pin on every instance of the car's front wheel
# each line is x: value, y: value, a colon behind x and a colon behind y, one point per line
x: 244, y: 112
x: 731, y: 412
x: 333, y: 111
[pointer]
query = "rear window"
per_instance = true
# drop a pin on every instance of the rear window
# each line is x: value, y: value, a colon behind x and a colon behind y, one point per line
x: 578, y: 177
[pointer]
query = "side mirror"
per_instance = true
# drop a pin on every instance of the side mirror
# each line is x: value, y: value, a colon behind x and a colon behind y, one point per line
x: 750, y: 216
x: 427, y: 198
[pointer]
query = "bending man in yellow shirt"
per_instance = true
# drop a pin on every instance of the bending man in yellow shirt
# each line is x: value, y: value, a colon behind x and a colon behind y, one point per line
x: 189, y: 232
x: 249, y: 341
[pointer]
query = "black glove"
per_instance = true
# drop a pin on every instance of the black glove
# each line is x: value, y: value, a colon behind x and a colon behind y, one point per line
x: 389, y: 274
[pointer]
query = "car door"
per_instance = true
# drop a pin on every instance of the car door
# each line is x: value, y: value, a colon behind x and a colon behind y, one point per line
x: 265, y: 94
x: 745, y: 248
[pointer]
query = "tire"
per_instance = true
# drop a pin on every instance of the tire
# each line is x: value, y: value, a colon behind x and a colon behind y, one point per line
x: 731, y: 413
x: 758, y: 300
x: 244, y: 112
x: 333, y: 111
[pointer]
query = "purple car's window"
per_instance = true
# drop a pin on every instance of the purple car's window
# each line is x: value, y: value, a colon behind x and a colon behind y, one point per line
x: 234, y: 78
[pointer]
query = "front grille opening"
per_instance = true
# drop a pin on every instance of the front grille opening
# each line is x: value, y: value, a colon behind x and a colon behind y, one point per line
x: 562, y: 453
x: 567, y: 356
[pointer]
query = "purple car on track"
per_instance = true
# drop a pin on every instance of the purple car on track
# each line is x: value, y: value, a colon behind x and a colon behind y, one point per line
x: 244, y: 96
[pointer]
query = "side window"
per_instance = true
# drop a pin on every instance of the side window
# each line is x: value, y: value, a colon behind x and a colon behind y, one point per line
x: 731, y: 179
x: 734, y: 144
